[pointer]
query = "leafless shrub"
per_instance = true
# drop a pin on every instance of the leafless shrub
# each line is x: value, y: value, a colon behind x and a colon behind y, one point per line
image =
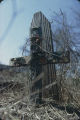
x: 64, y: 39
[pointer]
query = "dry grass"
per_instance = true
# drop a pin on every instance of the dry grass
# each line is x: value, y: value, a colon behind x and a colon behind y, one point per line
x: 15, y: 103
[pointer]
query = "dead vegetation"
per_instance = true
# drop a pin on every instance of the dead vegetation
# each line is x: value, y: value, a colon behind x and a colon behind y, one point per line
x: 15, y: 105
